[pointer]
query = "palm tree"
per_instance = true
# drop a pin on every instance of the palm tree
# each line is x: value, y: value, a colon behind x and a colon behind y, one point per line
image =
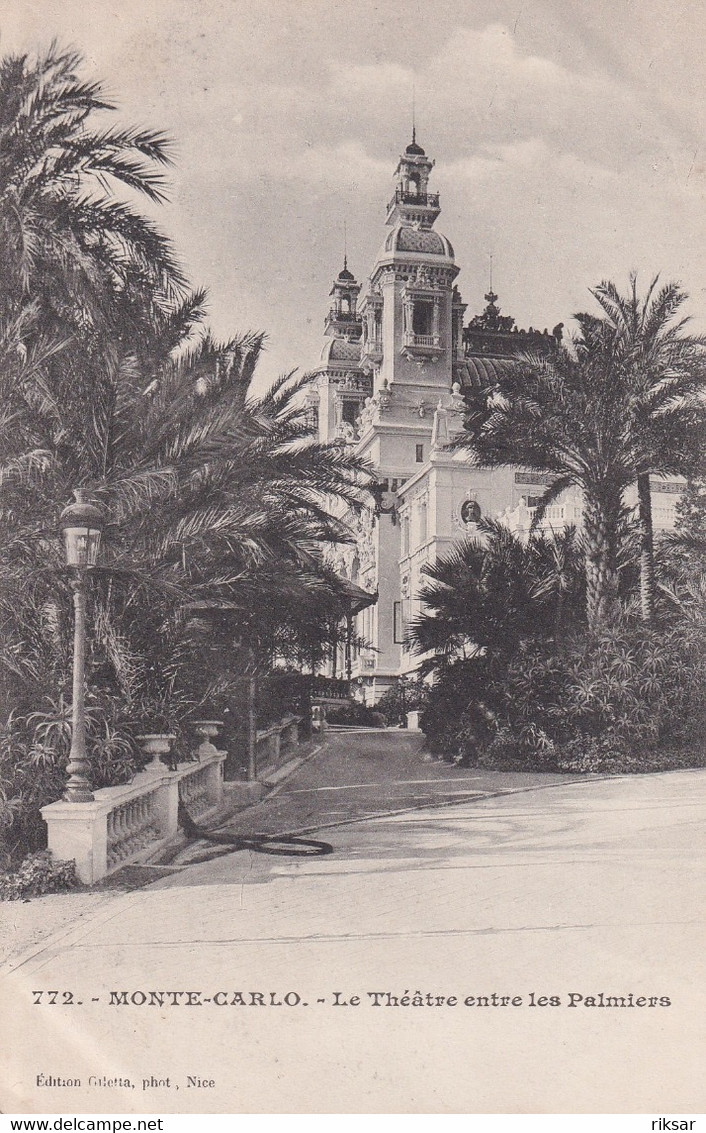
x: 239, y: 483
x: 69, y: 242
x: 590, y: 417
x: 666, y: 372
x: 107, y: 381
x: 84, y: 272
x: 488, y: 594
x: 91, y: 294
x: 563, y: 415
x: 215, y: 498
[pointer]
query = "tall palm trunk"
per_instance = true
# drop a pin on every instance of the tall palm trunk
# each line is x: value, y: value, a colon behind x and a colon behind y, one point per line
x: 648, y: 584
x: 251, y: 671
x: 601, y: 537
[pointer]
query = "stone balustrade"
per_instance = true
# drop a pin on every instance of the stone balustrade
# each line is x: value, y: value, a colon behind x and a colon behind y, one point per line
x: 274, y: 741
x: 134, y: 822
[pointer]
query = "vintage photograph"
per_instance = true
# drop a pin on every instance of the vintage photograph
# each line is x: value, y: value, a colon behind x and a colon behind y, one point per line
x: 352, y: 576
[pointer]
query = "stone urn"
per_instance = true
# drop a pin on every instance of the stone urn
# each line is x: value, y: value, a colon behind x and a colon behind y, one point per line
x: 207, y: 729
x: 158, y: 744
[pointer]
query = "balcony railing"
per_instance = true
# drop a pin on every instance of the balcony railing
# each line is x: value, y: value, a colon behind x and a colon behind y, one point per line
x: 426, y: 200
x: 330, y: 688
x: 432, y: 341
x: 555, y: 512
x: 343, y: 316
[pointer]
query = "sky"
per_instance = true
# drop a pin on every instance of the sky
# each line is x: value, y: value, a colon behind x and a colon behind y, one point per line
x: 567, y: 135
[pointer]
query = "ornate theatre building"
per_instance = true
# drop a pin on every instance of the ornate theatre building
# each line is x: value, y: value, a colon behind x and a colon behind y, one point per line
x: 391, y: 382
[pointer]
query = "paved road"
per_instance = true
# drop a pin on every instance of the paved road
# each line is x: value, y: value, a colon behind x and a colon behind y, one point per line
x: 357, y: 773
x: 364, y: 772
x: 585, y: 890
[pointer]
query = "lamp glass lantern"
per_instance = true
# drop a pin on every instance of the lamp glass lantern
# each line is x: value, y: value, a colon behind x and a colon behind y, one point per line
x: 81, y: 527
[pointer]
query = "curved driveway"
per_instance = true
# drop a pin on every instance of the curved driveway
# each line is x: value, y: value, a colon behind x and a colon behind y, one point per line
x: 532, y: 951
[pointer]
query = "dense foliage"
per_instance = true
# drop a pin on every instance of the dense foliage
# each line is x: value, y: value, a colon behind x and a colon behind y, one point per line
x: 581, y: 652
x: 408, y: 694
x: 493, y: 591
x: 620, y: 698
x: 218, y: 501
x: 353, y: 712
x: 623, y: 400
x: 38, y: 874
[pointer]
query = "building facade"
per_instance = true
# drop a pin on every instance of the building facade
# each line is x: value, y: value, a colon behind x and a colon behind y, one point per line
x: 391, y: 382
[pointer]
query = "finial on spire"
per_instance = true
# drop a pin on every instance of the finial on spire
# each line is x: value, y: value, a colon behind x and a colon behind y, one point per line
x: 491, y: 296
x: 414, y: 148
x: 344, y: 275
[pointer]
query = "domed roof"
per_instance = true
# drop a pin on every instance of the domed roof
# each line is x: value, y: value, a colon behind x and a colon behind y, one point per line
x: 345, y: 274
x: 413, y: 148
x: 476, y: 372
x: 342, y: 351
x: 406, y: 238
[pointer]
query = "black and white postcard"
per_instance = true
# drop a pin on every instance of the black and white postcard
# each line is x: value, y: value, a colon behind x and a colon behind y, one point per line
x: 352, y: 520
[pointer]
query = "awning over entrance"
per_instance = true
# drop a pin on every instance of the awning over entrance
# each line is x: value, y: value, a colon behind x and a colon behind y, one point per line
x: 358, y: 598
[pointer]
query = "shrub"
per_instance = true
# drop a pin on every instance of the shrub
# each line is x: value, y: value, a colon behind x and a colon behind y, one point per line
x: 458, y: 718
x: 398, y: 700
x: 281, y: 693
x: 353, y: 712
x: 34, y: 752
x: 628, y: 699
x: 39, y: 873
x: 636, y: 688
x: 604, y: 755
x: 529, y: 750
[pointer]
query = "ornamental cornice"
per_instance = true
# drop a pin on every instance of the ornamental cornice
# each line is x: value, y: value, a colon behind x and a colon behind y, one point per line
x: 404, y: 428
x: 351, y: 382
x: 407, y: 271
x: 342, y: 373
x: 424, y: 288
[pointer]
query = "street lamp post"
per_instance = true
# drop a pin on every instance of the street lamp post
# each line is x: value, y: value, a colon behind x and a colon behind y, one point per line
x: 403, y: 699
x: 81, y: 525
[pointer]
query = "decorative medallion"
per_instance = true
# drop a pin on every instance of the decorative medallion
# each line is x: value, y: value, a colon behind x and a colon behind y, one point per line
x: 470, y: 512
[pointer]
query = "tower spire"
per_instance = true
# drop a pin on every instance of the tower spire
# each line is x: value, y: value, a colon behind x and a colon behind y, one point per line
x: 491, y: 296
x: 412, y: 203
x: 414, y: 112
